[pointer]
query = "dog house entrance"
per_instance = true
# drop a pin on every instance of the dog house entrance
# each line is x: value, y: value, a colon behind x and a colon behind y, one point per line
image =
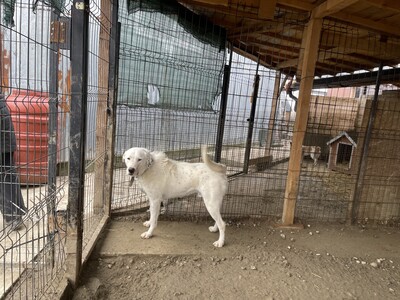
x: 344, y: 154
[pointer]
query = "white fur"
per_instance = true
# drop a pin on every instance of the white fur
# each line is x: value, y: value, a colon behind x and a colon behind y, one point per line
x: 162, y: 178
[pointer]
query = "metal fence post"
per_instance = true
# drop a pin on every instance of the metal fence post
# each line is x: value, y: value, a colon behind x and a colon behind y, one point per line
x: 251, y: 122
x: 222, y: 113
x: 79, y: 72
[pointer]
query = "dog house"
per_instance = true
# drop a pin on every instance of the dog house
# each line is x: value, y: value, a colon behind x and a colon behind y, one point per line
x: 341, y: 151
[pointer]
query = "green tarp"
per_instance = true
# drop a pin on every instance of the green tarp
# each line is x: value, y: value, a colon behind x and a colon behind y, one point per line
x: 195, y: 24
x: 169, y: 57
x: 9, y: 8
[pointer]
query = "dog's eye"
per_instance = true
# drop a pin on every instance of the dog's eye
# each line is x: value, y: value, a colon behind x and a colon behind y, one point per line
x: 139, y: 159
x: 128, y: 158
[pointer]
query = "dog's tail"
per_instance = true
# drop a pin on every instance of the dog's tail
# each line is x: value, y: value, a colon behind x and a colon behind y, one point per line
x: 216, y: 167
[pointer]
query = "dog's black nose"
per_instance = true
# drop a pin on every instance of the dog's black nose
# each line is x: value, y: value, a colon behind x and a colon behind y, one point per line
x: 131, y: 170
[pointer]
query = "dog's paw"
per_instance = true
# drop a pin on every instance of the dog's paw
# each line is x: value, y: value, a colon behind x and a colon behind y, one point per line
x: 218, y: 244
x: 146, y: 224
x: 146, y: 235
x: 213, y: 228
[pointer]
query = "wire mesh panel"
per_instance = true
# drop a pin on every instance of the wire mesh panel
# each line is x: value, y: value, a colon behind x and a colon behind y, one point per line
x: 256, y: 162
x: 96, y: 124
x: 36, y: 81
x: 255, y: 118
x: 325, y: 194
x: 169, y: 82
x: 378, y: 200
x: 177, y: 115
x: 335, y: 185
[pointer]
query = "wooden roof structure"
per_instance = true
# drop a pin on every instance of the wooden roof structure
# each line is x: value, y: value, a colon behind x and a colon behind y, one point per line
x: 355, y: 34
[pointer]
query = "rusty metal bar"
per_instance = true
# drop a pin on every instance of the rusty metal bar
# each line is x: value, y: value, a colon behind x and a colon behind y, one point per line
x: 79, y: 71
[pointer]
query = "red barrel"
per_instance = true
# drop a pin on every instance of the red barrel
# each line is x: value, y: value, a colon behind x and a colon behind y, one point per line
x: 30, y: 115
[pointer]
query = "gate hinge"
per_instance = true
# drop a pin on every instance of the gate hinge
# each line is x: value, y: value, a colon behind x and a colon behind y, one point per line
x: 60, y: 32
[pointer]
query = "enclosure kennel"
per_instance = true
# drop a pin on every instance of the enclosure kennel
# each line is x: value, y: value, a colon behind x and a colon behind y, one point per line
x: 254, y: 80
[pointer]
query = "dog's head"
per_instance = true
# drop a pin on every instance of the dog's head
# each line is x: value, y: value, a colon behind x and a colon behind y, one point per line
x: 137, y: 161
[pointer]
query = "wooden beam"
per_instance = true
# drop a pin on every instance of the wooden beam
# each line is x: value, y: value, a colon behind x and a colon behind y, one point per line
x: 380, y: 26
x: 331, y: 6
x: 288, y: 63
x: 271, y: 41
x: 239, y: 31
x: 346, y: 45
x: 296, y: 4
x: 393, y: 5
x: 238, y: 12
x: 301, y: 53
x: 114, y: 42
x: 266, y: 9
x: 333, y: 10
x: 262, y: 59
x: 101, y: 112
x: 214, y: 2
x: 312, y: 38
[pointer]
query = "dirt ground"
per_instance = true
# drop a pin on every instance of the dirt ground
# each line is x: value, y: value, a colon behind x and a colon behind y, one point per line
x: 259, y: 261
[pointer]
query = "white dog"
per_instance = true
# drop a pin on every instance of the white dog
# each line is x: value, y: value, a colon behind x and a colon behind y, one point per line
x: 313, y: 151
x: 162, y: 178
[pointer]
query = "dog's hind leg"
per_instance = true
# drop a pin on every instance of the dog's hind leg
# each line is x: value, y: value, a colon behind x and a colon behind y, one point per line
x: 152, y: 223
x: 214, y: 210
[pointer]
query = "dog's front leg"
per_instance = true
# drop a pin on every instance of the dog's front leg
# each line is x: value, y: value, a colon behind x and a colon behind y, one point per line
x: 312, y: 155
x: 152, y: 223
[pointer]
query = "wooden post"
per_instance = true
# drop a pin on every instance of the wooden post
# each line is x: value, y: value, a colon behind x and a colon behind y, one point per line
x: 52, y: 131
x: 312, y: 37
x: 112, y: 105
x: 101, y: 113
x: 272, y: 115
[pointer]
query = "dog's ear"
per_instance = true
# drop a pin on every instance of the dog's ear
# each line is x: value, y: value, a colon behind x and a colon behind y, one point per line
x: 149, y: 159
